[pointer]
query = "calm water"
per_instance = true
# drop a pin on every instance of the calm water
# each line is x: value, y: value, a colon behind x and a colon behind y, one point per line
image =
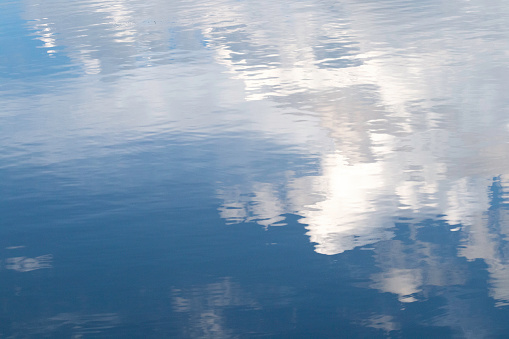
x: 254, y: 169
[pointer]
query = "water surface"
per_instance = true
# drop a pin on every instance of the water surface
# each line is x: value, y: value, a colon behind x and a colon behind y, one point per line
x: 239, y: 169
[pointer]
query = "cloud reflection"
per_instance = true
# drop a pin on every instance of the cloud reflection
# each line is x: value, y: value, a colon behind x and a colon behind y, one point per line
x: 69, y: 325
x: 409, y: 128
x: 24, y: 264
x: 205, y: 308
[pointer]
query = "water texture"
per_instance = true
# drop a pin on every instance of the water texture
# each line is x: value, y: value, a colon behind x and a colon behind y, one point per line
x: 254, y: 169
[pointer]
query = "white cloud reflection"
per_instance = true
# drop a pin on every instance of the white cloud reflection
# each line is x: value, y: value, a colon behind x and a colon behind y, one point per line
x: 24, y: 264
x: 70, y: 325
x: 204, y: 307
x: 409, y: 128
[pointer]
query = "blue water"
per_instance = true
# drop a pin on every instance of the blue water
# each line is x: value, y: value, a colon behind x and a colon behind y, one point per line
x: 236, y: 169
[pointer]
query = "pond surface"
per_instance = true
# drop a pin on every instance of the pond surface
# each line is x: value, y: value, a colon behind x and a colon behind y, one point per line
x: 254, y: 169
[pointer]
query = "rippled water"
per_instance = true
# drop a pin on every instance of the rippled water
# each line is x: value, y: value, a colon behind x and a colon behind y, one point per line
x: 239, y: 169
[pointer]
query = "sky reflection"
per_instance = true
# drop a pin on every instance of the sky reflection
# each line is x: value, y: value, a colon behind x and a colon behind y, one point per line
x: 378, y: 126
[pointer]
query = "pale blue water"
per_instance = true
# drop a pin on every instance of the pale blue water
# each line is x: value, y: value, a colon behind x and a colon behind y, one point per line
x: 240, y: 169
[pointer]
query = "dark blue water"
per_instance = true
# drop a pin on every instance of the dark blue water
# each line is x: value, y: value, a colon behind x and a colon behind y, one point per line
x: 239, y: 169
